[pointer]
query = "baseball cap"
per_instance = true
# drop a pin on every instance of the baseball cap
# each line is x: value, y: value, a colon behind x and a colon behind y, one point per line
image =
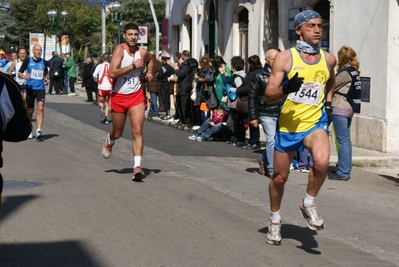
x: 165, y: 55
x: 1, y: 52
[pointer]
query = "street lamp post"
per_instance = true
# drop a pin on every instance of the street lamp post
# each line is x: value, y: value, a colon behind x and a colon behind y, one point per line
x: 114, y: 8
x: 55, y: 21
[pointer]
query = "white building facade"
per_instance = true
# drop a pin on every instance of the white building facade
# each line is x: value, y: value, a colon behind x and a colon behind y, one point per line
x: 238, y: 27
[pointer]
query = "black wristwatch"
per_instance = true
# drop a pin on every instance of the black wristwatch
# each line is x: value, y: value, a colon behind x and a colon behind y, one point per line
x: 134, y: 66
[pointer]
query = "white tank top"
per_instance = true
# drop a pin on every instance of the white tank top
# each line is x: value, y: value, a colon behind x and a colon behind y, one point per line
x: 17, y: 67
x: 130, y: 82
x: 102, y: 76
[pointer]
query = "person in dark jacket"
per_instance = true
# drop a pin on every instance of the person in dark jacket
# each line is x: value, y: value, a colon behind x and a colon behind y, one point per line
x: 261, y: 112
x: 49, y: 65
x: 56, y: 73
x: 236, y: 80
x: 254, y: 67
x: 87, y: 76
x: 185, y: 76
x: 163, y: 75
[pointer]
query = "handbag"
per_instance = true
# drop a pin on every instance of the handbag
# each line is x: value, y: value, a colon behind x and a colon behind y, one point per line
x: 242, y: 104
x: 239, y: 105
x: 232, y: 104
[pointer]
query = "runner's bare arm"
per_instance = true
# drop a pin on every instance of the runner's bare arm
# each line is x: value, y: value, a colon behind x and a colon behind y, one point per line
x: 149, y: 59
x: 115, y: 71
x: 274, y: 89
x: 13, y: 64
x: 331, y: 62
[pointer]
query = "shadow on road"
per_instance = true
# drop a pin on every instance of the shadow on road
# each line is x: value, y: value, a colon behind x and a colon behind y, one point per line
x: 130, y: 170
x: 62, y: 253
x: 252, y: 170
x: 12, y: 203
x: 390, y: 178
x: 49, y: 136
x: 301, y: 234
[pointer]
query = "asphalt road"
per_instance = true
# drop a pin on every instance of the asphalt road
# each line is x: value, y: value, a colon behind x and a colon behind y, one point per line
x: 202, y: 204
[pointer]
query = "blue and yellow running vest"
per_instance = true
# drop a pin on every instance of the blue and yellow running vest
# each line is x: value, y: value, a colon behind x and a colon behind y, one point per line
x: 302, y: 110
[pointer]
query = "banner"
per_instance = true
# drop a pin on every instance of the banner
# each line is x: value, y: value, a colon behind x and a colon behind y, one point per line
x: 165, y: 34
x: 48, y: 43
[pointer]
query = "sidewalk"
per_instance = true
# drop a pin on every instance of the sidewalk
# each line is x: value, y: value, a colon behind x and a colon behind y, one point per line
x: 360, y: 157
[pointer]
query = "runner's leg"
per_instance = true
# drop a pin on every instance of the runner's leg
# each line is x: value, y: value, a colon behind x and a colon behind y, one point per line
x: 281, y: 169
x: 319, y: 147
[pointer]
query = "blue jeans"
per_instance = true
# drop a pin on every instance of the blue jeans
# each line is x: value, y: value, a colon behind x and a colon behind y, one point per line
x: 269, y: 125
x: 154, y: 103
x: 65, y: 84
x: 206, y: 130
x: 342, y: 128
x: 303, y: 159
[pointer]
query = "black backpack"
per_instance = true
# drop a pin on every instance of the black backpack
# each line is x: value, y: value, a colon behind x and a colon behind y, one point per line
x: 354, y: 95
x: 19, y: 127
x: 192, y: 64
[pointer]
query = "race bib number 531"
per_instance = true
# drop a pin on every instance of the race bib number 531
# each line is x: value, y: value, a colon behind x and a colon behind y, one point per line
x: 308, y: 94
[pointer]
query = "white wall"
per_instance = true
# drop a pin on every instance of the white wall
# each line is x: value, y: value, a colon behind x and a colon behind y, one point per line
x: 366, y: 31
x: 392, y: 113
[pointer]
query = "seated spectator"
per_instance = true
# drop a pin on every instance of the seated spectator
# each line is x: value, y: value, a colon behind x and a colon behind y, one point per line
x: 213, y: 126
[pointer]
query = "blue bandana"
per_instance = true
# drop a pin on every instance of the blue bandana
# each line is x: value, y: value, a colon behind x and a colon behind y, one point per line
x: 307, y: 48
x: 304, y: 16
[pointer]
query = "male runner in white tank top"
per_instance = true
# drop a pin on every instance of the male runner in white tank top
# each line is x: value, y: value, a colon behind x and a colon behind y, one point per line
x: 127, y: 97
x: 104, y: 81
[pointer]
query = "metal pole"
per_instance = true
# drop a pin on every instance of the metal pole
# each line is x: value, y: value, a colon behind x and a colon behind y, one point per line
x: 118, y: 19
x: 154, y: 16
x: 44, y: 46
x: 56, y: 33
x: 103, y: 17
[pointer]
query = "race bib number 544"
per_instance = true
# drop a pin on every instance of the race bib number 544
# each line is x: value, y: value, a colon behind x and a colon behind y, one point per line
x: 308, y: 94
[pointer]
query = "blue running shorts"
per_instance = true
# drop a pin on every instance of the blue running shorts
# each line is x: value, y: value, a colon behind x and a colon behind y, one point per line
x: 288, y: 142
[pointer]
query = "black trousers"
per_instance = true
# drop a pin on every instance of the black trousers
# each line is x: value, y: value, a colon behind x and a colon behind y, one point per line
x: 89, y: 93
x: 165, y: 96
x: 185, y: 108
x: 72, y: 84
x: 57, y: 85
x: 51, y: 86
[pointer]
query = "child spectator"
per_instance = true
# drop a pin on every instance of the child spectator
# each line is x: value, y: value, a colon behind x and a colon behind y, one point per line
x: 213, y: 126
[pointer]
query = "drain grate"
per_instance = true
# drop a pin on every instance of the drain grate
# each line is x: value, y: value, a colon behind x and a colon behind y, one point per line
x: 10, y: 185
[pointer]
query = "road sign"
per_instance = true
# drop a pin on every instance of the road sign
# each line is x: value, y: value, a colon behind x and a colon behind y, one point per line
x: 143, y: 35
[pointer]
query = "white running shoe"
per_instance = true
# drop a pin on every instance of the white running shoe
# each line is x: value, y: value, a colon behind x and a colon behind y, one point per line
x: 138, y: 174
x: 39, y: 136
x: 107, y: 149
x: 30, y: 136
x: 315, y: 222
x: 192, y: 137
x: 273, y: 236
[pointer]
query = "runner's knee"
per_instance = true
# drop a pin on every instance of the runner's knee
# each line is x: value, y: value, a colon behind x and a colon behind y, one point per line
x: 279, y: 180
